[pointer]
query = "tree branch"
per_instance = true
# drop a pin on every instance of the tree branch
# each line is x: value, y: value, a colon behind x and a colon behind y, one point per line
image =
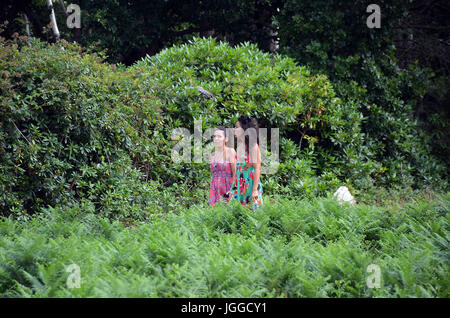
x: 21, y: 133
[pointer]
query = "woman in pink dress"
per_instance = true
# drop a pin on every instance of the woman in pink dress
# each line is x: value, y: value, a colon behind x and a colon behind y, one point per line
x: 223, y: 167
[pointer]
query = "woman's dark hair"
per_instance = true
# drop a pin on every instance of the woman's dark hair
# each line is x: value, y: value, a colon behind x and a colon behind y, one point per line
x: 247, y: 122
x: 224, y: 129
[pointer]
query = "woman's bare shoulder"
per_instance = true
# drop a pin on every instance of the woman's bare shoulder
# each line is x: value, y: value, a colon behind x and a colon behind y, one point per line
x: 231, y: 151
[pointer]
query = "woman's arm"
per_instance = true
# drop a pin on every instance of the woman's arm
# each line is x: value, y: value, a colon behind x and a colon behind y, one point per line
x: 233, y: 163
x: 211, y: 157
x: 255, y: 157
x: 232, y: 159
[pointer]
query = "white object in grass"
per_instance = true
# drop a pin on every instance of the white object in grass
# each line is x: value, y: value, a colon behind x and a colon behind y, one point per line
x: 343, y: 195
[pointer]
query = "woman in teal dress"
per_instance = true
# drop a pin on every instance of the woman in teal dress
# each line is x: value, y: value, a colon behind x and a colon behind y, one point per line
x: 247, y: 187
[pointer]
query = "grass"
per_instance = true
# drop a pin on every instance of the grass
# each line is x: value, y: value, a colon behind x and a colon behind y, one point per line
x: 397, y: 198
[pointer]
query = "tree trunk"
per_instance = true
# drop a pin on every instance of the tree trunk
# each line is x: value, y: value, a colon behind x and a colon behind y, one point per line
x: 27, y: 28
x: 53, y: 19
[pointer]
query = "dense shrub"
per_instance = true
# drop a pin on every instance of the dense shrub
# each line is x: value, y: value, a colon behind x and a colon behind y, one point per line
x: 244, y: 80
x: 73, y: 127
x: 383, y: 142
x: 70, y: 127
x: 367, y: 138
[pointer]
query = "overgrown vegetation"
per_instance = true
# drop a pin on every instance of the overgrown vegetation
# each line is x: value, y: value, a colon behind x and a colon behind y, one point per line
x: 75, y: 128
x: 288, y: 249
x: 86, y: 178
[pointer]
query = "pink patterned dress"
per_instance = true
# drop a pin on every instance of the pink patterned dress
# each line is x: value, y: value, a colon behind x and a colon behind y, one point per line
x: 222, y: 178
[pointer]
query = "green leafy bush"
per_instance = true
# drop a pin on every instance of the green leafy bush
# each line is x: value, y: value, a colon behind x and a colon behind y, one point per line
x: 73, y: 127
x: 381, y: 143
x: 314, y: 134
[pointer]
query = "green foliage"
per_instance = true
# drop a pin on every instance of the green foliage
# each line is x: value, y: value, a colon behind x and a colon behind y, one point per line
x: 130, y: 30
x: 244, y: 80
x: 73, y: 127
x: 383, y: 142
x: 86, y: 147
x: 289, y: 248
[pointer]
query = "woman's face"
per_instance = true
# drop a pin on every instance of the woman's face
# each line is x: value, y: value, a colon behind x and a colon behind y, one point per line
x: 219, y: 138
x: 238, y: 131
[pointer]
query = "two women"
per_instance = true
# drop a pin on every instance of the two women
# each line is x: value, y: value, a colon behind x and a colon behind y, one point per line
x: 238, y: 174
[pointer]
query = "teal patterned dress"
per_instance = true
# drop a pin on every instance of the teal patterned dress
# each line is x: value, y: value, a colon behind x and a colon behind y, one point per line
x: 242, y: 186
